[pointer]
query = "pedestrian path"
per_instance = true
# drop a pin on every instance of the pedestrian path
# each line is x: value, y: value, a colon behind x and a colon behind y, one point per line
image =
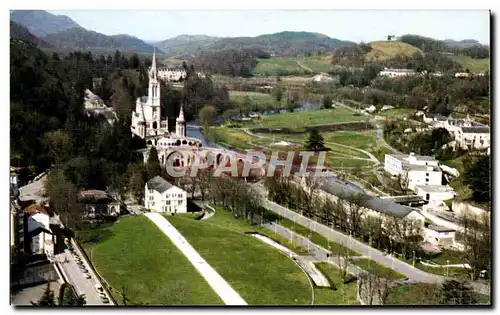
x: 218, y: 284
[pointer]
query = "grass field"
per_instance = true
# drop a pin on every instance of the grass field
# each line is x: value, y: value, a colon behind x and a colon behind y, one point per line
x: 302, y: 119
x: 315, y: 237
x: 230, y: 137
x: 421, y: 294
x: 277, y: 66
x: 321, y: 63
x: 396, y: 112
x: 378, y: 269
x: 344, y: 294
x: 261, y: 100
x: 383, y: 50
x: 474, y: 65
x: 258, y: 272
x: 136, y: 255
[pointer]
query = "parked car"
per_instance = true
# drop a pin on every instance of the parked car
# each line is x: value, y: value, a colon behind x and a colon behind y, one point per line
x: 87, y: 275
x: 105, y: 300
x: 98, y: 288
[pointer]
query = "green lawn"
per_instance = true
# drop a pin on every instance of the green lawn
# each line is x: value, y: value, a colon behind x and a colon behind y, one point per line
x: 396, y: 112
x: 278, y: 66
x: 315, y: 237
x: 318, y: 63
x: 235, y: 138
x: 302, y: 119
x: 261, y: 274
x: 341, y: 294
x: 454, y: 257
x: 421, y: 294
x: 474, y: 65
x: 136, y: 255
x: 262, y: 100
x: 378, y: 269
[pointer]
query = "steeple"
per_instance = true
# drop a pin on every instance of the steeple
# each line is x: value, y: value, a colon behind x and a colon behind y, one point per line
x: 181, y: 115
x: 153, y: 64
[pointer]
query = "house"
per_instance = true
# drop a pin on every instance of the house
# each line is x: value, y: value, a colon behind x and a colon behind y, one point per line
x: 371, y: 108
x: 477, y: 137
x: 439, y: 235
x: 98, y: 203
x: 41, y: 231
x: 396, y: 72
x: 435, y: 192
x: 161, y: 196
x: 414, y: 169
x: 430, y: 118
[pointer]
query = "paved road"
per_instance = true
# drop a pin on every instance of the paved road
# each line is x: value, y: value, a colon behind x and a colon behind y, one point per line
x: 414, y: 274
x: 77, y: 279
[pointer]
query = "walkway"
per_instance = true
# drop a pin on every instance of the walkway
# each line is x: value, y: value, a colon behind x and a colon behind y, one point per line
x: 218, y: 284
x: 414, y: 274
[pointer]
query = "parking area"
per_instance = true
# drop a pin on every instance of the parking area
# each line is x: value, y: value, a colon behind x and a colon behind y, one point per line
x: 82, y: 277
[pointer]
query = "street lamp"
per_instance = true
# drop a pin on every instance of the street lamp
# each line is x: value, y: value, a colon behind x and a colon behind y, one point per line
x: 413, y: 258
x: 447, y: 264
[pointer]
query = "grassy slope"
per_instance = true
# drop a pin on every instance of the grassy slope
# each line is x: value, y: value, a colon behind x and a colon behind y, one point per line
x: 307, y: 118
x: 383, y: 50
x: 345, y: 294
x: 421, y: 294
x: 272, y: 66
x: 259, y: 273
x: 138, y: 256
x: 378, y: 269
x: 474, y: 65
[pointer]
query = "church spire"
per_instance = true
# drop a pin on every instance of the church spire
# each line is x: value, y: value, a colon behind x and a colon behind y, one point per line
x: 153, y: 64
x: 181, y: 114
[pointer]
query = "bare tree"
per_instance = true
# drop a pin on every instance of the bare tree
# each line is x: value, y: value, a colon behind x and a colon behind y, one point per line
x: 477, y: 242
x: 344, y: 260
x: 406, y: 232
x: 374, y: 289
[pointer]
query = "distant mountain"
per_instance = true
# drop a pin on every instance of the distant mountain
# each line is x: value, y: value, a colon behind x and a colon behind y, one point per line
x: 281, y: 44
x: 462, y: 43
x: 41, y: 23
x: 20, y: 32
x: 82, y: 39
x: 186, y: 45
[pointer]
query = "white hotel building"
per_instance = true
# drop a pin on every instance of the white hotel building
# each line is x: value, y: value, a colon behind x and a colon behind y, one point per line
x: 420, y: 170
x: 161, y: 196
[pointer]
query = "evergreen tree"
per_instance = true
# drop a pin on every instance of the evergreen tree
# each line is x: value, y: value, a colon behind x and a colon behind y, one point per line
x: 456, y: 292
x: 47, y: 299
x: 153, y: 166
x: 315, y: 142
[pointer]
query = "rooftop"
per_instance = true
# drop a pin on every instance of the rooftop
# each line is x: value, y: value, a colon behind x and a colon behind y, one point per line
x: 159, y: 184
x: 435, y: 188
x: 476, y: 129
x: 413, y: 167
x: 439, y: 228
x: 371, y: 202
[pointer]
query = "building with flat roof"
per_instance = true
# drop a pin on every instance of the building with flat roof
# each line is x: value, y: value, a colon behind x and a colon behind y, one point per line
x: 414, y: 169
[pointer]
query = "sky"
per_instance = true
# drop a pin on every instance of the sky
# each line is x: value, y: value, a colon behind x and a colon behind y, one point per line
x: 358, y: 25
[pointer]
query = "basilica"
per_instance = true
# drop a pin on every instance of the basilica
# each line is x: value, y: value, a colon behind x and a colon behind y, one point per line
x: 149, y: 124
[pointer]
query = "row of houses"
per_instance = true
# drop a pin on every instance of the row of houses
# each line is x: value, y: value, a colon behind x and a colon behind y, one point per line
x: 394, y: 73
x: 467, y: 134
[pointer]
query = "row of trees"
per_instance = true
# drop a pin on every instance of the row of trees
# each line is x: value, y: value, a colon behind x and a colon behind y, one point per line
x: 441, y: 95
x: 392, y: 233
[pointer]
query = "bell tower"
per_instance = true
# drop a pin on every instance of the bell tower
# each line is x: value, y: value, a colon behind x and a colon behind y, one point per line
x: 180, y: 124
